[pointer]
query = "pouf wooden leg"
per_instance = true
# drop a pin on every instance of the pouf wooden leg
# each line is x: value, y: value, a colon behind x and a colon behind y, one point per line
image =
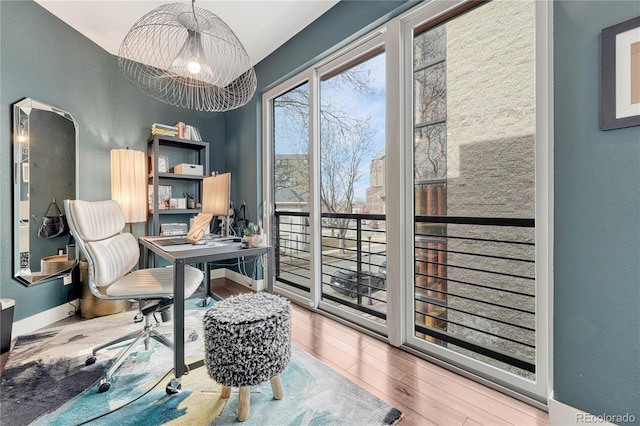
x: 225, y: 392
x: 276, y: 387
x: 243, y: 403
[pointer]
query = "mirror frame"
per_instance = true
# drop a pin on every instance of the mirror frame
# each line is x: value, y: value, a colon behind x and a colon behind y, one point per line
x: 21, y: 126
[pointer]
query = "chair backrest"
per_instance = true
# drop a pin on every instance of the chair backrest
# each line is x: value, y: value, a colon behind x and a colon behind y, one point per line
x: 97, y: 228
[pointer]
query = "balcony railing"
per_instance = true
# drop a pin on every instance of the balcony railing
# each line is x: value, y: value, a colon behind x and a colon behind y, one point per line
x: 473, y: 287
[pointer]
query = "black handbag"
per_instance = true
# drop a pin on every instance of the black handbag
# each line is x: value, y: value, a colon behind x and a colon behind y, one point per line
x: 240, y: 223
x: 54, y: 223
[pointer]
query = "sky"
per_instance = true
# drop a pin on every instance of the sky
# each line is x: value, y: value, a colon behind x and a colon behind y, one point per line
x: 355, y: 104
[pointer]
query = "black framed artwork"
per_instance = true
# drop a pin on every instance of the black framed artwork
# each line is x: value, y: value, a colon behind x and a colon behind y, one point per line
x: 620, y: 86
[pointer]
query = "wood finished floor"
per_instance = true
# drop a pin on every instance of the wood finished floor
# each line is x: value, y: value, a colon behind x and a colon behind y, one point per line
x: 426, y: 393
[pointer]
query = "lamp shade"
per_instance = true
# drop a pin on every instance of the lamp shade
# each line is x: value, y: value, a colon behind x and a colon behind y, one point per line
x: 215, y: 194
x: 129, y: 183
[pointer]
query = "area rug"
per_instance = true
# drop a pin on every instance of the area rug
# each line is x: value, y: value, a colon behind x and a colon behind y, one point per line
x: 46, y: 382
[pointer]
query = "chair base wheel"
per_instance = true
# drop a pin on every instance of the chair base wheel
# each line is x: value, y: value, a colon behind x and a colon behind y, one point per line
x: 173, y: 387
x: 104, y: 385
x: 90, y: 361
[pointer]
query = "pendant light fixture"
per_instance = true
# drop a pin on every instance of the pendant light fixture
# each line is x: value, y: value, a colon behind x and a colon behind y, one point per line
x: 188, y: 57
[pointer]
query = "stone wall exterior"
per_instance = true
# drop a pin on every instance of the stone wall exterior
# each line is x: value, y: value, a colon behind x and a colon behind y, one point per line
x: 491, y: 168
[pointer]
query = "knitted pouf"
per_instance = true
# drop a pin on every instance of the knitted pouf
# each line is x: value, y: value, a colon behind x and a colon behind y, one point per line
x: 247, y: 339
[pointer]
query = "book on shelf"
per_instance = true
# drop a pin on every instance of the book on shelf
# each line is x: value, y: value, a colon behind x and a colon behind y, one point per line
x: 187, y: 131
x: 164, y: 129
x: 179, y: 130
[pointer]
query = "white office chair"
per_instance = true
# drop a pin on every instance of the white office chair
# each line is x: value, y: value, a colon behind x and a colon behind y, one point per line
x: 111, y: 256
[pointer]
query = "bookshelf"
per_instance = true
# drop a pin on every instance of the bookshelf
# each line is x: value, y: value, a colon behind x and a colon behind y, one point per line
x: 176, y: 151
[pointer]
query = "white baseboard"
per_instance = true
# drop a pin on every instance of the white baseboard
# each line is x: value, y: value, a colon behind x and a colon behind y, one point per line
x: 43, y: 319
x: 257, y: 285
x: 561, y: 414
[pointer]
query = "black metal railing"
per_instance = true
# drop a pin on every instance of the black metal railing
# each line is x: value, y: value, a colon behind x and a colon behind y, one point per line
x: 474, y: 287
x: 354, y: 249
x: 474, y: 278
x: 353, y: 258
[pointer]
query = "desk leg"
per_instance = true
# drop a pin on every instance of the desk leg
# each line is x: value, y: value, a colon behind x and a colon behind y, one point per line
x: 179, y: 366
x: 143, y: 261
x: 271, y: 273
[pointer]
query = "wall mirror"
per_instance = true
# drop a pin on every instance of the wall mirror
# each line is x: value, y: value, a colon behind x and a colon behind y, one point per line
x: 45, y: 147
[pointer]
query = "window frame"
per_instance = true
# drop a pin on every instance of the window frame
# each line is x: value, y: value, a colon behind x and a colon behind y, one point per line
x: 396, y: 36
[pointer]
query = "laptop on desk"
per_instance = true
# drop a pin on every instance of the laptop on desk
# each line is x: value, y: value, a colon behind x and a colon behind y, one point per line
x: 179, y: 241
x: 196, y: 233
x: 173, y: 241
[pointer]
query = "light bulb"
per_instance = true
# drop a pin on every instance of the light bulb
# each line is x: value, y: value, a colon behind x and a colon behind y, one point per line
x: 193, y: 66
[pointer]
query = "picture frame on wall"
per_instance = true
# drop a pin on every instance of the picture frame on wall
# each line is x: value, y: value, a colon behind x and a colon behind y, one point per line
x: 620, y: 85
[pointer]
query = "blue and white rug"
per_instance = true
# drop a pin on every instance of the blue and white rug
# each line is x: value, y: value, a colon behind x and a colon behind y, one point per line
x: 313, y: 393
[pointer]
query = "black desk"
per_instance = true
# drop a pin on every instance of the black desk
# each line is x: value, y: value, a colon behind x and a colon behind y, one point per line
x: 197, y: 254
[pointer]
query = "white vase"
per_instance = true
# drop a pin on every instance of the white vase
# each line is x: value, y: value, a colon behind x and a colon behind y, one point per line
x: 257, y: 240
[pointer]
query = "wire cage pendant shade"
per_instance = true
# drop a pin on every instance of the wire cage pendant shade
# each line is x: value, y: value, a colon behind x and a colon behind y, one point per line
x: 188, y: 57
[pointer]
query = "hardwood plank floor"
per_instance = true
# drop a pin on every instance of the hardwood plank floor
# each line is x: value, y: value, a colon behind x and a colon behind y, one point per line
x: 426, y: 393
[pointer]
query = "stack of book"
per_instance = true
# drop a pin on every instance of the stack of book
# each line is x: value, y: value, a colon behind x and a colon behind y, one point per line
x: 186, y: 131
x: 178, y: 130
x: 163, y: 129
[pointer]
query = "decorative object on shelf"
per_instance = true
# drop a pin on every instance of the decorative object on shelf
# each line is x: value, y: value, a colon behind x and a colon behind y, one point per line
x: 163, y: 164
x: 620, y: 103
x: 188, y: 57
x: 164, y: 195
x: 178, y: 203
x: 191, y: 200
x: 188, y: 169
x: 128, y: 180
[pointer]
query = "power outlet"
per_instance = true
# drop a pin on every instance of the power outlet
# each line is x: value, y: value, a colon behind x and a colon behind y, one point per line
x: 67, y: 280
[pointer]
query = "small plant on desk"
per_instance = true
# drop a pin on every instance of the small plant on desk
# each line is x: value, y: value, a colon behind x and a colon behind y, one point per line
x: 252, y: 234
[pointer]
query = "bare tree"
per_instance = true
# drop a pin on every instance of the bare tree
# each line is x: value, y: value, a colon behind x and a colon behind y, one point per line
x: 341, y: 155
x: 430, y: 149
x: 345, y: 140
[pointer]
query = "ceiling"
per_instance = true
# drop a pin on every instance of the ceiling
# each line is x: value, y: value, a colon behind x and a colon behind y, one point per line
x: 261, y: 25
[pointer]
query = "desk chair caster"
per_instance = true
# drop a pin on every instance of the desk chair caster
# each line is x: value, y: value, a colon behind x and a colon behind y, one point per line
x: 104, y: 385
x: 173, y: 387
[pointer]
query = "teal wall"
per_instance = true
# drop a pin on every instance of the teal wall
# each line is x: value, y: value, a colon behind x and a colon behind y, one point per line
x: 43, y: 58
x: 597, y: 224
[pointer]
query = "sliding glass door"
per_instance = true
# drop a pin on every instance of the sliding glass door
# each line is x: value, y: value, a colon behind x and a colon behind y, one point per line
x: 473, y: 298
x: 352, y: 184
x: 408, y: 173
